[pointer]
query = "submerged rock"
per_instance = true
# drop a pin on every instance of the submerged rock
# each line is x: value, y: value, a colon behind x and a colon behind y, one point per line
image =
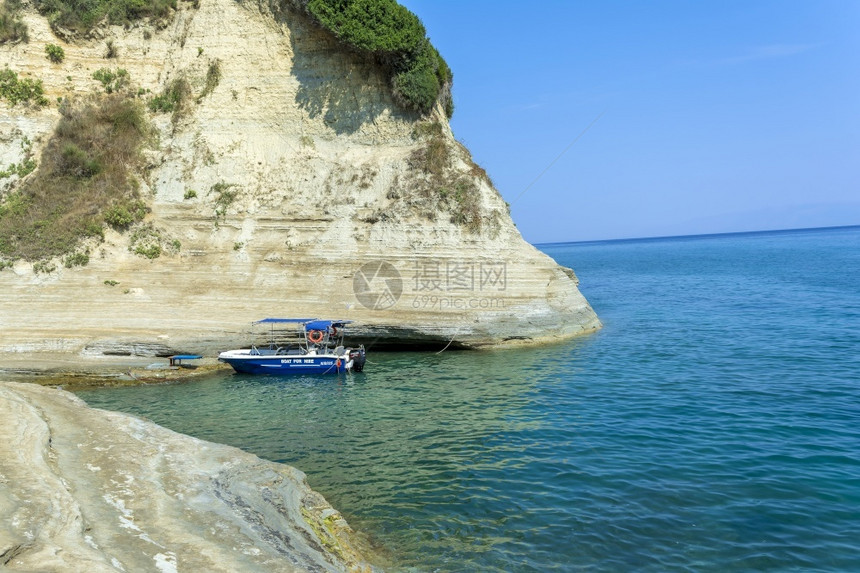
x: 83, y: 489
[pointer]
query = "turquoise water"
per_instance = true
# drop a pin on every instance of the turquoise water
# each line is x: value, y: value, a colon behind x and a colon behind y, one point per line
x: 712, y: 425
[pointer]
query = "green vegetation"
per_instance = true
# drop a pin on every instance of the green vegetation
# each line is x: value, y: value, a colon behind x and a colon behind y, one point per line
x: 27, y: 164
x: 84, y: 180
x: 173, y: 100
x: 380, y: 26
x: 466, y: 211
x: 150, y: 251
x: 111, y: 282
x: 77, y: 259
x: 12, y: 28
x: 75, y: 162
x: 445, y: 189
x: 112, y: 80
x: 81, y: 16
x: 111, y: 51
x: 55, y: 53
x: 17, y: 91
x: 123, y: 215
x: 147, y: 241
x: 190, y: 194
x: 44, y: 267
x: 433, y: 157
x: 480, y: 172
x: 213, y: 77
x: 20, y: 169
x: 225, y: 194
x: 395, y: 37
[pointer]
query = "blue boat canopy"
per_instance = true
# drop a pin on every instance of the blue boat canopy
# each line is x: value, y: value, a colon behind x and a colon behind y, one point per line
x: 308, y: 323
x: 324, y: 324
x: 275, y: 320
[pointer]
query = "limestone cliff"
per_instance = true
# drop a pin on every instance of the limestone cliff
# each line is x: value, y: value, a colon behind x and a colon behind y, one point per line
x: 90, y: 490
x: 292, y: 185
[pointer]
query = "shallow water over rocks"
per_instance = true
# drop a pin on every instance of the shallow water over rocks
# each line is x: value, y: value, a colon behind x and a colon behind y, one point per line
x: 713, y: 425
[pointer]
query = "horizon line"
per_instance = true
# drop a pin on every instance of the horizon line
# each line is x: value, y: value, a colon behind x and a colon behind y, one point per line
x: 697, y: 235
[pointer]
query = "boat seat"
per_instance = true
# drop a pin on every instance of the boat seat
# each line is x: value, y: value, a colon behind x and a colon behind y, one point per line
x: 339, y: 350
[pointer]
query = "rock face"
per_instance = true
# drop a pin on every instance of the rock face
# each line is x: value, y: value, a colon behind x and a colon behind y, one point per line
x: 336, y: 208
x: 90, y: 490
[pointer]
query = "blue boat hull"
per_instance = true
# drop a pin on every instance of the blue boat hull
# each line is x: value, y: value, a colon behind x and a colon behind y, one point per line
x: 281, y: 365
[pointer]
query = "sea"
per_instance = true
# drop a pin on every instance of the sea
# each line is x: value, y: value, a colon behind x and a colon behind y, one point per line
x: 713, y: 424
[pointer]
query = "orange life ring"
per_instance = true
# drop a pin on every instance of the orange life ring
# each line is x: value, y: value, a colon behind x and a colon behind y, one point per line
x: 334, y: 331
x: 315, y: 336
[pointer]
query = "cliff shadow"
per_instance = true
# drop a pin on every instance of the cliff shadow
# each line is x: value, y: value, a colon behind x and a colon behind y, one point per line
x: 336, y: 84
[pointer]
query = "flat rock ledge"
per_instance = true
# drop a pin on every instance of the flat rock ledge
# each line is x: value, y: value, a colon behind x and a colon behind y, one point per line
x: 83, y: 489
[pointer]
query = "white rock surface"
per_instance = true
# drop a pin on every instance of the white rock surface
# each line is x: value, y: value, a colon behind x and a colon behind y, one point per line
x: 89, y: 490
x: 320, y: 157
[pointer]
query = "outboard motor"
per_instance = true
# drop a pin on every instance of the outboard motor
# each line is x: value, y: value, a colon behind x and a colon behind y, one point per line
x: 358, y: 358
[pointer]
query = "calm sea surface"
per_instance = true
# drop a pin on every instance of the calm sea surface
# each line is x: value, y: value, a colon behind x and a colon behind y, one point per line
x: 712, y: 425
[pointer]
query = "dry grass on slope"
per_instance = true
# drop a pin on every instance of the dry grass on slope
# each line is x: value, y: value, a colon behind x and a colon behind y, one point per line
x: 84, y: 180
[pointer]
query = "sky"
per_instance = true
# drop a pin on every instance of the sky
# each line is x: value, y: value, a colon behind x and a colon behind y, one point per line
x: 606, y: 119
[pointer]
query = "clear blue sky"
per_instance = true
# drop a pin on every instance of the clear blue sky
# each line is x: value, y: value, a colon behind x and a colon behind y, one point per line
x: 718, y: 116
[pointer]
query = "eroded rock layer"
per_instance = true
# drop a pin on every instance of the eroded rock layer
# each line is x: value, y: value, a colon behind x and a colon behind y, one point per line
x: 280, y: 190
x: 89, y: 490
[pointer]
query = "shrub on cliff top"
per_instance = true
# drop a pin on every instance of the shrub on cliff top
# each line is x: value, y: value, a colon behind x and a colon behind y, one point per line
x: 378, y: 26
x: 396, y: 38
x: 426, y: 81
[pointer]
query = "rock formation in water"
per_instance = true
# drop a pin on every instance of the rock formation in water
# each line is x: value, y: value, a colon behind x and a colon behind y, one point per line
x: 281, y: 179
x: 89, y: 490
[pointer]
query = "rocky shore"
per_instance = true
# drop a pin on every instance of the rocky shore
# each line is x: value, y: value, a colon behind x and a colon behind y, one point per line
x: 83, y: 489
x: 71, y: 372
